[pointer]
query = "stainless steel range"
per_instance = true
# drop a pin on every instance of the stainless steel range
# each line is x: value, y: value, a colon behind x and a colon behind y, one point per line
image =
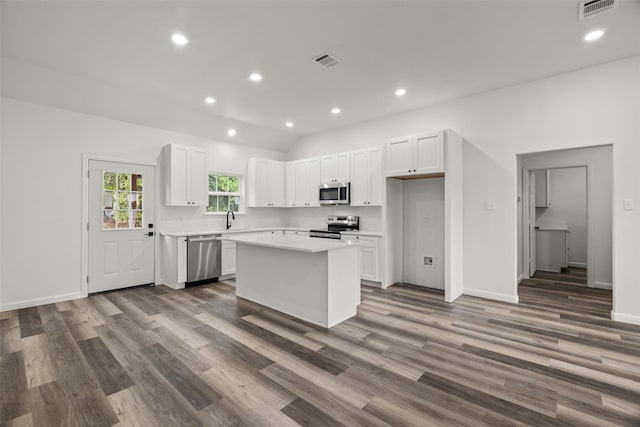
x: 336, y: 224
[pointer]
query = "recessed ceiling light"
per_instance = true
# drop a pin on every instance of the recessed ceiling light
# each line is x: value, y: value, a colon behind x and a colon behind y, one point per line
x: 179, y: 39
x: 593, y: 35
x: 255, y: 77
x: 335, y: 110
x: 231, y: 132
x: 401, y: 92
x: 210, y: 100
x: 289, y: 124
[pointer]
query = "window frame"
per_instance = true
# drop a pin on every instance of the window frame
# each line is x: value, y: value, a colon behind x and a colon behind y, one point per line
x: 240, y: 193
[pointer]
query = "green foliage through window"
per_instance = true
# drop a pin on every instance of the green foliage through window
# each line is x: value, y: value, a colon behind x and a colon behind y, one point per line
x: 224, y: 193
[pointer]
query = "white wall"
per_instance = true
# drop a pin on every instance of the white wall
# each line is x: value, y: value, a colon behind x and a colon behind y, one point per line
x: 593, y: 106
x: 568, y: 208
x: 423, y: 198
x: 601, y: 161
x: 41, y: 177
x: 316, y: 217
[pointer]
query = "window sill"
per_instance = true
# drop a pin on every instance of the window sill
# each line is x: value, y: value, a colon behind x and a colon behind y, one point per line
x: 222, y: 213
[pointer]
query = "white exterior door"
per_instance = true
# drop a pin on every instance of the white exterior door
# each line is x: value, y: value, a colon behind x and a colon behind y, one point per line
x: 121, y: 250
x: 532, y: 224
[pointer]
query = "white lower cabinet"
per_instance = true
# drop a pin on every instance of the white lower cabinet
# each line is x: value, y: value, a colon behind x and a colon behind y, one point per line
x: 228, y: 258
x: 368, y: 256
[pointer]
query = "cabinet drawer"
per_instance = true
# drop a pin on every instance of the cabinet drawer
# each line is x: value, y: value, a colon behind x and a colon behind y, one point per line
x: 364, y: 241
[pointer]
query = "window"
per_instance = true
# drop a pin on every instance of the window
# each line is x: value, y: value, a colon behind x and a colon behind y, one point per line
x: 224, y: 193
x: 121, y: 201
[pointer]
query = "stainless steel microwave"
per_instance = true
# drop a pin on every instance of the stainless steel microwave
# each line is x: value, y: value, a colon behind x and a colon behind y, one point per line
x: 334, y: 193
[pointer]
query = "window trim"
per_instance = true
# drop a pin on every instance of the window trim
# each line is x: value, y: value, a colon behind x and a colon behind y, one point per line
x: 240, y: 192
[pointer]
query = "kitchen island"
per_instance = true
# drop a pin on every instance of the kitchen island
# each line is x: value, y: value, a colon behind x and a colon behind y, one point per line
x: 315, y: 280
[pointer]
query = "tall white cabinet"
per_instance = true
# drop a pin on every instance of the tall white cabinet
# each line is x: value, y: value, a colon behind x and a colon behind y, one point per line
x: 186, y: 175
x: 421, y: 154
x: 366, y: 177
x: 265, y: 183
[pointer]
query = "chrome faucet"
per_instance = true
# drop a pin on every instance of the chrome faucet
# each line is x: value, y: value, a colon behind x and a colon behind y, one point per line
x: 233, y: 216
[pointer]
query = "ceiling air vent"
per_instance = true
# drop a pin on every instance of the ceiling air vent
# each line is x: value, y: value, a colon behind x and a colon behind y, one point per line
x: 595, y: 7
x: 326, y: 60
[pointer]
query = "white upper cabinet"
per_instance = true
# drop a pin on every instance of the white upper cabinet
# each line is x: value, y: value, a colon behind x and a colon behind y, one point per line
x: 186, y: 175
x: 265, y: 183
x: 415, y: 155
x: 303, y: 179
x: 366, y: 177
x: 336, y: 167
x: 290, y: 184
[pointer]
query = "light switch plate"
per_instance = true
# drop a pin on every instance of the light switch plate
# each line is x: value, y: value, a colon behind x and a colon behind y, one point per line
x: 627, y: 204
x: 490, y: 206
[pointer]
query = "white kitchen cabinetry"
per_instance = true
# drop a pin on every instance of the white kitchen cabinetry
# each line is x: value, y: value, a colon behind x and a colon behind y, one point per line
x: 336, y: 168
x: 421, y: 154
x: 303, y: 179
x: 368, y: 256
x: 173, y: 261
x: 265, y: 183
x: 366, y: 177
x: 186, y: 175
x: 552, y: 249
x: 543, y: 188
x: 228, y: 258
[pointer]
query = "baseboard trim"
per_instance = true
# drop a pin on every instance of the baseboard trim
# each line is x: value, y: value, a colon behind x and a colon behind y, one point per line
x: 520, y: 278
x: 491, y: 295
x: 601, y: 285
x: 41, y: 301
x: 625, y: 318
x: 577, y: 264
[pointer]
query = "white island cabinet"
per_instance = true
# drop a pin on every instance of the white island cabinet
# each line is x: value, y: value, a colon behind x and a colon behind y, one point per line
x: 315, y: 280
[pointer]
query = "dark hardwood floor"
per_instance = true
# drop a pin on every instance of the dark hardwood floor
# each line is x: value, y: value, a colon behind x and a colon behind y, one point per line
x: 199, y: 356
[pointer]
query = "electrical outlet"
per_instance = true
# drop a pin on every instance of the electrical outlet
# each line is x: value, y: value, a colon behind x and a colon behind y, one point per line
x: 427, y: 261
x: 627, y: 204
x: 426, y: 220
x: 490, y: 206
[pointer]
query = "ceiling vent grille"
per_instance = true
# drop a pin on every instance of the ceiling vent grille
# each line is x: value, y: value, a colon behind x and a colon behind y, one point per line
x: 326, y: 60
x: 595, y: 7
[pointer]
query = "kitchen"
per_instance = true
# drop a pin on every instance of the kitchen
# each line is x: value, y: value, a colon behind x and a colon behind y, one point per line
x: 70, y: 102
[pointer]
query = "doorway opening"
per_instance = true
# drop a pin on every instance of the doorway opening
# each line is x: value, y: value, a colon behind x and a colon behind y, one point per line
x: 565, y: 228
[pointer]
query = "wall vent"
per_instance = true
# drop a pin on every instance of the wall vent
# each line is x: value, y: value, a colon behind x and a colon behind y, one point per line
x: 327, y: 60
x: 590, y: 8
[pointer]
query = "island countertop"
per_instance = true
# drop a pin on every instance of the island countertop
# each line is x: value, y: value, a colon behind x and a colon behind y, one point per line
x: 290, y: 242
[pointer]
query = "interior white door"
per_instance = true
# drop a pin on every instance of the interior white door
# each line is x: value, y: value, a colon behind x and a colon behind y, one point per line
x: 532, y: 224
x: 121, y: 219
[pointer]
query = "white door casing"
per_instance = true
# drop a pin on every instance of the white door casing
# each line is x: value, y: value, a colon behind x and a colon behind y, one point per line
x: 120, y: 257
x: 532, y: 224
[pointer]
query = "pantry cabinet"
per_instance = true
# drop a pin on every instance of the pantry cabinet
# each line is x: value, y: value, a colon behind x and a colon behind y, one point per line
x: 421, y: 154
x: 265, y: 183
x: 186, y: 175
x: 336, y: 167
x: 366, y: 177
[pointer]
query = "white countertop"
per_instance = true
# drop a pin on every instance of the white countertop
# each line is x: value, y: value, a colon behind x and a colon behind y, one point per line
x: 229, y: 231
x: 258, y: 230
x: 291, y: 242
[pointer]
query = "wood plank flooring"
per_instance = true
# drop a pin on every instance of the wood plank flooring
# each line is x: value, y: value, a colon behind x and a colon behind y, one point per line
x: 200, y: 356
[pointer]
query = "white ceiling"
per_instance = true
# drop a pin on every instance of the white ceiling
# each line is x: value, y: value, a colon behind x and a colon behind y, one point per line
x: 116, y: 59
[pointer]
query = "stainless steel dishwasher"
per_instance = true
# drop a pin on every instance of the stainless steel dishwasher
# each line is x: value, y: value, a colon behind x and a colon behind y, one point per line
x: 203, y: 258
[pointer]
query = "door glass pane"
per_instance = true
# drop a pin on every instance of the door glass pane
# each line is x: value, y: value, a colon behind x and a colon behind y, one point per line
x: 122, y: 219
x: 122, y: 201
x: 108, y: 219
x: 109, y: 180
x: 124, y: 181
